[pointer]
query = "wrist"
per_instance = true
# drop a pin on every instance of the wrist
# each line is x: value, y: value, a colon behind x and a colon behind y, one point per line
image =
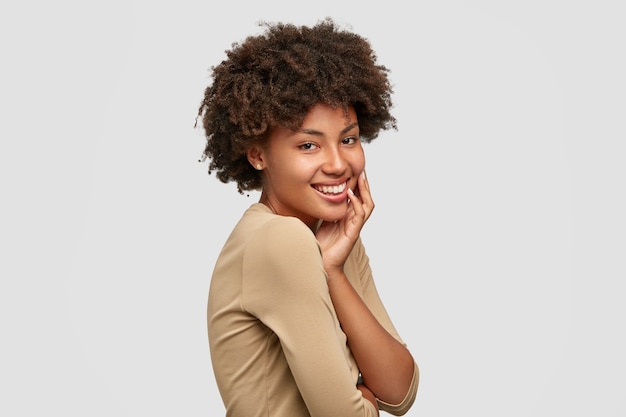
x: 334, y: 273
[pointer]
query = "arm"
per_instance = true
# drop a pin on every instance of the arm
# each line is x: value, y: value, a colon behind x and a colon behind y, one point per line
x: 360, y: 275
x: 387, y: 367
x: 288, y: 293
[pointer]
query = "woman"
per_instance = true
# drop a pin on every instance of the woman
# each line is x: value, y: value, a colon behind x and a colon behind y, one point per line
x: 296, y: 326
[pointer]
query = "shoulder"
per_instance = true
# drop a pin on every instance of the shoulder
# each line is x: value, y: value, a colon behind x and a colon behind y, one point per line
x: 282, y: 261
x: 267, y: 239
x: 281, y: 236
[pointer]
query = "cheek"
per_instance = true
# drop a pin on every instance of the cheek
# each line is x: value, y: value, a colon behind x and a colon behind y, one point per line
x: 361, y: 166
x: 292, y: 172
x: 357, y: 166
x: 358, y: 163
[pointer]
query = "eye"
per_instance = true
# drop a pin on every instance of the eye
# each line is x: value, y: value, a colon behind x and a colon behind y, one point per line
x: 307, y: 146
x: 349, y: 140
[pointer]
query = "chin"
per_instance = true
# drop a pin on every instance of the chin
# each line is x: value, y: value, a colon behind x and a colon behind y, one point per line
x: 335, y: 215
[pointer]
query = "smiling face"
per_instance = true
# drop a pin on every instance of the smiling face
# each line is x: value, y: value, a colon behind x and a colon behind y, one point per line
x: 307, y: 172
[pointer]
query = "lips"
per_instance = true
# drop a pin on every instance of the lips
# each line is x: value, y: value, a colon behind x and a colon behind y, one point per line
x: 331, y: 189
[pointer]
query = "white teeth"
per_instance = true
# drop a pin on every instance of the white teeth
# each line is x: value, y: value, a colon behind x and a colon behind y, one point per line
x: 335, y: 189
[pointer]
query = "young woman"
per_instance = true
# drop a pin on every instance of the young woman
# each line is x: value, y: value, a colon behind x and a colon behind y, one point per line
x: 296, y: 326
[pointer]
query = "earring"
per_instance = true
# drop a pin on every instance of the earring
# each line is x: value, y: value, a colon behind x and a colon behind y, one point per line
x: 259, y: 167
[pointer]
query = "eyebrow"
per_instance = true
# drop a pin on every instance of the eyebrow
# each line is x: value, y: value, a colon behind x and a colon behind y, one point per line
x: 318, y: 133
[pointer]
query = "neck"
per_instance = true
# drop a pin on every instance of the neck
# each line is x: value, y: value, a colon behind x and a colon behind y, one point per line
x: 266, y: 201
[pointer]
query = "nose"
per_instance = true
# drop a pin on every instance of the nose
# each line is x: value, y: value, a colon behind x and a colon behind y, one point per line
x: 334, y: 161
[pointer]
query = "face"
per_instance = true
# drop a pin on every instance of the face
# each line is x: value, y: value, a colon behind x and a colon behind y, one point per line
x: 307, y: 172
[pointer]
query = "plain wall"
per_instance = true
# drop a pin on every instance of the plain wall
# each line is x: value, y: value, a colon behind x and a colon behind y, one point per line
x: 497, y: 241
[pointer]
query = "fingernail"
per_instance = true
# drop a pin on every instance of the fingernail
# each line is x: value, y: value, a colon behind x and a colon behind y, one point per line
x: 363, y: 175
x: 350, y: 191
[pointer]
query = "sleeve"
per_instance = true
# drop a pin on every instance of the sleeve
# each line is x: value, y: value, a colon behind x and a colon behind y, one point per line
x: 404, y: 406
x: 289, y: 294
x: 363, y: 281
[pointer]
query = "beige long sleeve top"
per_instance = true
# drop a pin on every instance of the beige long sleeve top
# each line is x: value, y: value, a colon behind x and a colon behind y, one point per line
x: 277, y: 348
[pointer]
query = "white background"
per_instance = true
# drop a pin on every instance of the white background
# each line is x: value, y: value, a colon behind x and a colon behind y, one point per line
x: 498, y: 241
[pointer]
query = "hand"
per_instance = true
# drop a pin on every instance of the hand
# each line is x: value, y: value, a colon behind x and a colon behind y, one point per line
x: 338, y: 238
x: 368, y: 395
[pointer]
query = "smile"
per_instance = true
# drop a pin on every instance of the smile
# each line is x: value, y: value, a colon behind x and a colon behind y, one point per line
x: 332, y: 189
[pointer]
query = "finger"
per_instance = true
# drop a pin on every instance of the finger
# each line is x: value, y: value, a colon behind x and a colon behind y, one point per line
x: 365, y: 194
x: 358, y: 210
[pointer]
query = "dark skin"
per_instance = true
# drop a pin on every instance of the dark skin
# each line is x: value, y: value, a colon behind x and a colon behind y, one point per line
x: 267, y: 81
x: 268, y: 86
x: 387, y: 376
x: 325, y: 152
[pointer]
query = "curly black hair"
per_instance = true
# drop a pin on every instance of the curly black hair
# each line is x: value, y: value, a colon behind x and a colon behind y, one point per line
x: 273, y: 79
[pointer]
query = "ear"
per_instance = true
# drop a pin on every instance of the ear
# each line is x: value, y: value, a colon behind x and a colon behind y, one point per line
x: 255, y: 157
